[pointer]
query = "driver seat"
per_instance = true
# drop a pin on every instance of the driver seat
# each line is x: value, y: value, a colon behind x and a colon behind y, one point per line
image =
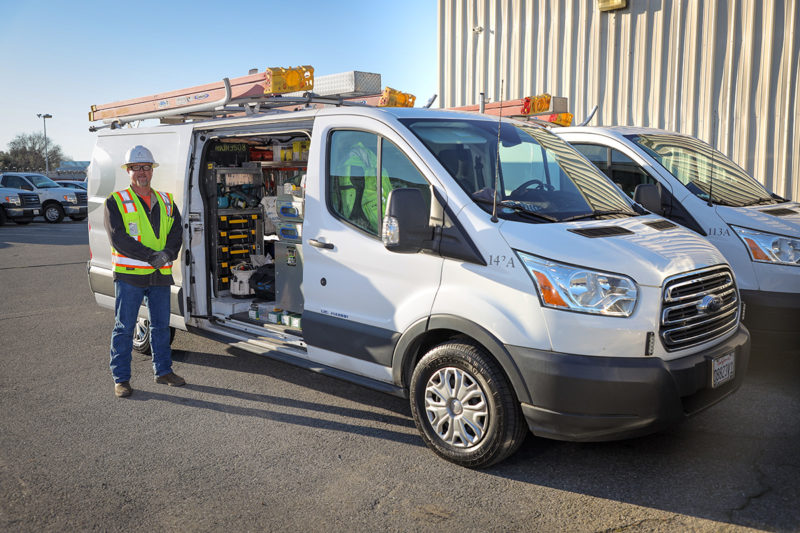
x: 458, y: 162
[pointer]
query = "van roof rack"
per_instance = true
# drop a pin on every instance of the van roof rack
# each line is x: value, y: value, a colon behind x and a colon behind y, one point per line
x: 245, y: 95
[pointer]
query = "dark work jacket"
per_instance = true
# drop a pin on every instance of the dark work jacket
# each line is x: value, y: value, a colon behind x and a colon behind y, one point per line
x: 130, y: 247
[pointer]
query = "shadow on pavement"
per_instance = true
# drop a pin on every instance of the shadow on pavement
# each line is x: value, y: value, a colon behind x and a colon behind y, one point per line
x: 310, y: 420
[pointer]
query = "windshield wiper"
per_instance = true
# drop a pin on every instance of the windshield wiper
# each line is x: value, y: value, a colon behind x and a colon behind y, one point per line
x: 722, y: 202
x: 595, y: 214
x: 760, y: 201
x: 518, y: 208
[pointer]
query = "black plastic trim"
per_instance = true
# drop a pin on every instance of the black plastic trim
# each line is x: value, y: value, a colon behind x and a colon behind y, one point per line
x: 408, y: 342
x: 602, y: 231
x: 454, y: 241
x: 354, y: 339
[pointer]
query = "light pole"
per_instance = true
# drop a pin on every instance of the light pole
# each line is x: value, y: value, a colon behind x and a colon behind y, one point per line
x: 44, y: 117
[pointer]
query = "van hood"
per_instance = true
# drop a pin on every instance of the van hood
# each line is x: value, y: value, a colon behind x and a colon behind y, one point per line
x: 783, y: 219
x: 644, y: 253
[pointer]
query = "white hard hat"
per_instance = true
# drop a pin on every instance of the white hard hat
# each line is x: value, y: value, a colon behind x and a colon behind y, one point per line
x: 138, y: 154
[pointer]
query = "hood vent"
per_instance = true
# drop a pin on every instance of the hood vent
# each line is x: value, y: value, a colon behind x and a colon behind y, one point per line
x: 779, y: 212
x: 605, y: 231
x: 660, y: 225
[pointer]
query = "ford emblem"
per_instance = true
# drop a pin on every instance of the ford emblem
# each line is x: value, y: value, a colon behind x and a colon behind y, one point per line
x: 709, y: 304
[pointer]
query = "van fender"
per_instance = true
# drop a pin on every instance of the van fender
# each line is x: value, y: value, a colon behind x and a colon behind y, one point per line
x: 417, y: 334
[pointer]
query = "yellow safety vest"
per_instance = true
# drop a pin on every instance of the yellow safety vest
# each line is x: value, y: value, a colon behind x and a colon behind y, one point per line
x: 137, y: 225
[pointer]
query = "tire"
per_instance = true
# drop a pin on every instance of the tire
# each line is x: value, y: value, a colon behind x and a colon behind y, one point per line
x: 53, y: 213
x: 141, y: 336
x: 77, y: 218
x: 476, y: 433
x: 24, y: 220
x: 3, y: 218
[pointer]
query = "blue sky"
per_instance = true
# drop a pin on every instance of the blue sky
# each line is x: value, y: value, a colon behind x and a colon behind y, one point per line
x: 61, y: 57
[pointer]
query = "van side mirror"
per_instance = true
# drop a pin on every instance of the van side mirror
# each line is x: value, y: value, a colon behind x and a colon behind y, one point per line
x: 648, y: 196
x: 405, y: 227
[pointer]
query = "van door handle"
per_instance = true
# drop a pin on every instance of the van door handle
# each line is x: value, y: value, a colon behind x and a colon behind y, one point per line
x: 317, y: 244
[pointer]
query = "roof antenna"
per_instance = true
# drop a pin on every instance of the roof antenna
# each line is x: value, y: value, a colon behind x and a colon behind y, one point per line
x: 497, y: 159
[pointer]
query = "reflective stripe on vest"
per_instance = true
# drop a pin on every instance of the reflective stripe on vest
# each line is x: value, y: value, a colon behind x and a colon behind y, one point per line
x: 167, y: 199
x: 120, y: 260
x: 128, y: 204
x: 137, y: 225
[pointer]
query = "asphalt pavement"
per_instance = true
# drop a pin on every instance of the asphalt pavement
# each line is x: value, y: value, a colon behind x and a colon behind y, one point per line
x: 252, y: 444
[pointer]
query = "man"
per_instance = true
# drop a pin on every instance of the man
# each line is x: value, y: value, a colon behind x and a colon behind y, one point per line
x: 144, y: 227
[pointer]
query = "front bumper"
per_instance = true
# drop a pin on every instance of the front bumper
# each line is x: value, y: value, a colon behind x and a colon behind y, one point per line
x: 19, y: 212
x: 772, y: 312
x: 589, y: 398
x: 71, y: 209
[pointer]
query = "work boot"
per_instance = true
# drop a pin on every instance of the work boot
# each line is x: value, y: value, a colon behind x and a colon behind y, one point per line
x: 172, y: 379
x: 123, y: 389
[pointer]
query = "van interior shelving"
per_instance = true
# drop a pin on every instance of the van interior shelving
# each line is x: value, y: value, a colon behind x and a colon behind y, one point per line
x: 253, y: 186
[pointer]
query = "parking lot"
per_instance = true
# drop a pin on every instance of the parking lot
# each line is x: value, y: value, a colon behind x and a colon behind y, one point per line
x: 252, y: 444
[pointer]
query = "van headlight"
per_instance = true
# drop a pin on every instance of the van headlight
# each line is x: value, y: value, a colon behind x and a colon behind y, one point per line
x: 769, y: 247
x: 580, y: 289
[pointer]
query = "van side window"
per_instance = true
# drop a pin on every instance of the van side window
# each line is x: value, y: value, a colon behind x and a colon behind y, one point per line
x: 354, y: 182
x: 622, y: 170
x: 398, y: 172
x: 353, y: 164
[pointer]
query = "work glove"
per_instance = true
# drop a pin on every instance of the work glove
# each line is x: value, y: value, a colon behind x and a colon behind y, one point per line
x: 158, y: 259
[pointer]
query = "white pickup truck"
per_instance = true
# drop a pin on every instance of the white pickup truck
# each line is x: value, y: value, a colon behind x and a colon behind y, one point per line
x: 57, y: 201
x: 18, y: 205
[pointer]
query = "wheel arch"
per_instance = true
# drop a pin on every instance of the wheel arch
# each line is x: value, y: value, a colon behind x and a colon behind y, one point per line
x: 424, y: 334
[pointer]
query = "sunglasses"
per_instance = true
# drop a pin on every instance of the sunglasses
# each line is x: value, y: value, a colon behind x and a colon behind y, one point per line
x: 136, y: 168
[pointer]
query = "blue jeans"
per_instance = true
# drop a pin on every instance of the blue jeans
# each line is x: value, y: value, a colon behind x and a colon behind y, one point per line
x: 126, y: 307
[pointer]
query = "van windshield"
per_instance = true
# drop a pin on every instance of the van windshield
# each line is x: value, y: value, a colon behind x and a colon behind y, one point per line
x: 706, y: 172
x: 540, y: 178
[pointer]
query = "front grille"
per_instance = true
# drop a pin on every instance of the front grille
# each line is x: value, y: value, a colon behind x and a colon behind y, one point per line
x: 28, y: 199
x: 688, y: 317
x: 82, y: 197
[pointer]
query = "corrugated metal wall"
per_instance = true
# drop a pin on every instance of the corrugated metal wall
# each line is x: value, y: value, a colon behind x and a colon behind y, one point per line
x: 724, y: 71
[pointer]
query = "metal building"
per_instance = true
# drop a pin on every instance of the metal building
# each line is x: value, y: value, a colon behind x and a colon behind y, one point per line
x: 725, y: 71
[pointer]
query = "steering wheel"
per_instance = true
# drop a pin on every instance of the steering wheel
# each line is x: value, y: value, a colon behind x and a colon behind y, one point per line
x: 539, y: 186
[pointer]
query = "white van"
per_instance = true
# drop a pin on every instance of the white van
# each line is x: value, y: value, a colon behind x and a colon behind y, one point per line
x: 686, y: 180
x: 556, y: 308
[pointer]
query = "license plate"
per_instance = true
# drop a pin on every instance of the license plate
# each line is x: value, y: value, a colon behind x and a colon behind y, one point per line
x: 723, y: 369
x: 35, y: 211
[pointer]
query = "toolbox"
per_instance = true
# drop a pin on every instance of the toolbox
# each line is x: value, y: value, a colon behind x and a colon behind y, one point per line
x: 238, y: 221
x: 237, y: 236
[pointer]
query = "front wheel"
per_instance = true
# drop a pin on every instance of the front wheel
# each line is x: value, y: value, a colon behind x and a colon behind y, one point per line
x: 464, y: 406
x: 141, y: 336
x: 53, y: 213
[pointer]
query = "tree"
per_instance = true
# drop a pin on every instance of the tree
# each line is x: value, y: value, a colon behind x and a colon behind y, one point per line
x: 26, y: 152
